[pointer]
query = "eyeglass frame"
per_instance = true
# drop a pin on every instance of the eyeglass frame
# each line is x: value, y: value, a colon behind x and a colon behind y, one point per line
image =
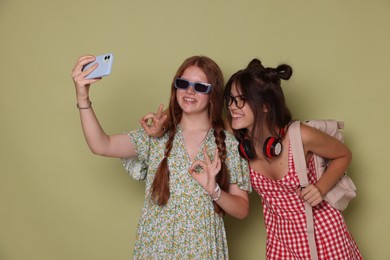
x: 193, y: 85
x: 234, y: 99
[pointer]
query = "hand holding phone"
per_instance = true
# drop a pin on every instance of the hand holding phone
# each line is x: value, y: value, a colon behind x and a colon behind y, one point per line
x: 104, y: 66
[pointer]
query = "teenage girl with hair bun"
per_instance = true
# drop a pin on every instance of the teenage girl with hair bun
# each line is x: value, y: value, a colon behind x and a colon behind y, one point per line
x: 260, y: 119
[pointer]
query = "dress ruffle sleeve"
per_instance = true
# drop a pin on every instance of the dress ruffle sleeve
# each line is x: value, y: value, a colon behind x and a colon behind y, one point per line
x: 137, y: 166
x: 238, y: 166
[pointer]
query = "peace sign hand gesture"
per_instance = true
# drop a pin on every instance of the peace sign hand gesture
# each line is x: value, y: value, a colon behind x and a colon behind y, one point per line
x: 206, y: 177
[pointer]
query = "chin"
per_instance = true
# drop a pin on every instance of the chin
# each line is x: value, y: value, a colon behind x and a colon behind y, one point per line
x: 237, y: 126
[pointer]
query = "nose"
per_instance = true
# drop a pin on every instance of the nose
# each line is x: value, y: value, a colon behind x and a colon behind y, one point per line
x: 190, y: 90
x: 232, y: 107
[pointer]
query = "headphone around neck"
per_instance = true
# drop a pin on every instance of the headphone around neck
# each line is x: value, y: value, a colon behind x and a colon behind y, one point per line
x: 272, y: 147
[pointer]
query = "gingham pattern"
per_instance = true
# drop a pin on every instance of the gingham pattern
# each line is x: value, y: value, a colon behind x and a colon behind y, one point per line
x: 285, y: 220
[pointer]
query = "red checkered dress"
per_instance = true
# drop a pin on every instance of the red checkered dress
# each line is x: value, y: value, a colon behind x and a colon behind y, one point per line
x: 285, y: 220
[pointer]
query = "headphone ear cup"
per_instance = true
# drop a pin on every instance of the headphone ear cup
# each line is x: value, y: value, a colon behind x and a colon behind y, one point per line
x: 272, y: 147
x: 245, y: 149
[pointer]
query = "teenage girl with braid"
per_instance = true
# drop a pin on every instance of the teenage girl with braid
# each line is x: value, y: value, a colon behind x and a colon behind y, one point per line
x: 257, y: 111
x: 193, y: 172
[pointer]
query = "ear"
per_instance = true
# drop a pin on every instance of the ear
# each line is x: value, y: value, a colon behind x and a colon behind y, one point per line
x: 265, y: 109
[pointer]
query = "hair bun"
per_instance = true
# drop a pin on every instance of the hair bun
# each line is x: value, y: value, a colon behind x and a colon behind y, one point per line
x: 284, y: 71
x: 255, y: 65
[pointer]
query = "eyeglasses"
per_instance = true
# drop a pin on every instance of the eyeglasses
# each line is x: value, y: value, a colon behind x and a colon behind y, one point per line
x: 238, y: 100
x: 199, y: 87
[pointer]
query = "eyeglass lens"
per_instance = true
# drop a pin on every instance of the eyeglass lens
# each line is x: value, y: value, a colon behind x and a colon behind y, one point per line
x: 239, y: 101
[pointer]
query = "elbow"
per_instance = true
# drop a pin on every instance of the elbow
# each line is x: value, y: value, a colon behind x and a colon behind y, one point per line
x: 349, y: 156
x: 244, y: 212
x: 243, y: 216
x: 97, y: 151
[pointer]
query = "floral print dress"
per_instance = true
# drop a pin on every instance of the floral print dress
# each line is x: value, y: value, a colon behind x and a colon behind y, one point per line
x: 187, y: 227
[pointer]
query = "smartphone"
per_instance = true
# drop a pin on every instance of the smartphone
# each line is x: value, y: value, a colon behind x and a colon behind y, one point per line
x: 104, y: 68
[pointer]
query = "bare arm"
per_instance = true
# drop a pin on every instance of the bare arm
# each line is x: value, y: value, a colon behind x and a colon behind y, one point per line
x: 235, y: 202
x: 317, y: 142
x: 98, y: 141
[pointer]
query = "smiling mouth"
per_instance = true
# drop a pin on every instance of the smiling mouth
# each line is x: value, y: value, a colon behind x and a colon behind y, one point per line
x: 235, y: 115
x: 191, y: 100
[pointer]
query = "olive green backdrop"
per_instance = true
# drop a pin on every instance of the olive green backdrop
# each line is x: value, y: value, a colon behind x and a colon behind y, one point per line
x: 58, y: 201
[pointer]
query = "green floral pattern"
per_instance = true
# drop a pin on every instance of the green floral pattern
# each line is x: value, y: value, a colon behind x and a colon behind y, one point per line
x: 187, y: 227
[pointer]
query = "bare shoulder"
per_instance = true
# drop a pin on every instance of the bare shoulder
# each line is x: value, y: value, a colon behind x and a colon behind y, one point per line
x: 310, y: 134
x: 320, y: 143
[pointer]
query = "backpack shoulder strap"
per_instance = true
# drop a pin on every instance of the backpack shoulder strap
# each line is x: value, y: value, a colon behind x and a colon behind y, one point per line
x: 294, y: 132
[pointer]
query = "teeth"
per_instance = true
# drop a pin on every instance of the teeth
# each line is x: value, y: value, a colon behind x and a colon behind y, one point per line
x: 189, y: 99
x: 237, y: 115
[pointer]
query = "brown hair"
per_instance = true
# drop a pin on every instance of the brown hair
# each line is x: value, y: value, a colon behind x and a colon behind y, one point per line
x: 160, y: 187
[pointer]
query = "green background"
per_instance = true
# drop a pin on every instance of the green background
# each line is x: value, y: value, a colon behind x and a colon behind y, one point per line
x: 59, y: 201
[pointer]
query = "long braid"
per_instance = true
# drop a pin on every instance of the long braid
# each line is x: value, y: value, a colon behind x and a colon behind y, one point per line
x: 223, y: 176
x: 160, y: 187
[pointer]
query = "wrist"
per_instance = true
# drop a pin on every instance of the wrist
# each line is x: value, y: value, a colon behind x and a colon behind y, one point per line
x: 215, y: 194
x: 211, y: 187
x: 320, y: 190
x: 84, y: 105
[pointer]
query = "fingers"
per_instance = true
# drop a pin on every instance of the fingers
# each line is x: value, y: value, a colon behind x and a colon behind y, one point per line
x: 145, y: 126
x: 159, y: 110
x: 311, y: 194
x: 154, y: 116
x: 153, y: 123
x: 150, y: 129
x: 216, y: 157
x: 78, y: 75
x: 81, y: 62
x: 210, y: 167
x: 198, y: 167
x: 148, y: 116
x: 162, y: 120
x: 206, y: 156
x: 206, y: 171
x: 219, y: 164
x: 217, y: 160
